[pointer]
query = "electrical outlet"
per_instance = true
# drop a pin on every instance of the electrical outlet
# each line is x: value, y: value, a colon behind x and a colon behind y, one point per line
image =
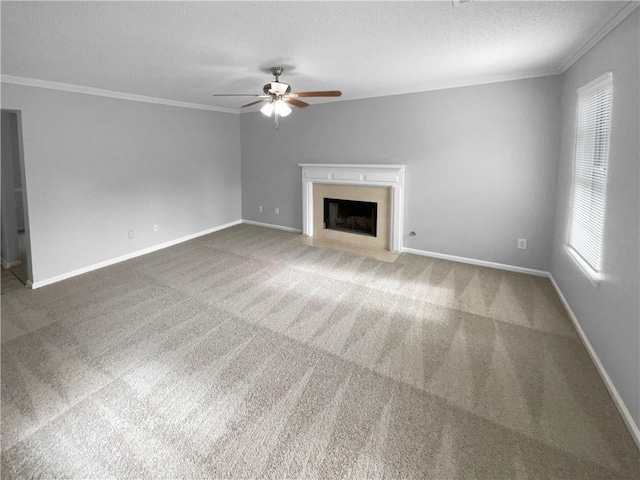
x: 155, y: 228
x: 260, y: 209
x: 130, y: 233
x: 277, y: 210
x: 522, y: 243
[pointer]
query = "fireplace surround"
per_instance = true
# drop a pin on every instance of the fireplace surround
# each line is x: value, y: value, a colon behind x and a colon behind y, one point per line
x: 385, y: 180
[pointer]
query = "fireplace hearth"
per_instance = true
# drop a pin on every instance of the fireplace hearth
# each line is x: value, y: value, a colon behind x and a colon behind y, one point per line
x: 351, y: 216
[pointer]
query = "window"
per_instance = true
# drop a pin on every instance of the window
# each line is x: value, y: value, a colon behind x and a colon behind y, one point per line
x: 586, y: 227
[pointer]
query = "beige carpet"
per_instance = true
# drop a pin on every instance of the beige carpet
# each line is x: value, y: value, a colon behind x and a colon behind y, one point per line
x: 246, y: 354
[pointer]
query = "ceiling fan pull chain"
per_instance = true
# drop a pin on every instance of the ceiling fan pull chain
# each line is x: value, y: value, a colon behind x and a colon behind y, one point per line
x: 276, y: 117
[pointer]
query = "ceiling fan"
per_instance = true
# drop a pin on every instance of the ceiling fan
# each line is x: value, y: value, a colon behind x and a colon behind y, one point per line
x: 278, y: 95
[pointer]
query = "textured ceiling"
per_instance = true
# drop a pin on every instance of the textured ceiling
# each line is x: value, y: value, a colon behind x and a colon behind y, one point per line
x: 185, y: 51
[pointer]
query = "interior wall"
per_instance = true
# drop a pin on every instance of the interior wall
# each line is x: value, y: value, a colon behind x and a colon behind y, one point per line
x: 610, y: 313
x: 98, y: 167
x: 481, y: 164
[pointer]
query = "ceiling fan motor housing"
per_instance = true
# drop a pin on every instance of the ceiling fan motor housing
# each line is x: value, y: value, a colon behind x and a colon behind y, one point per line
x: 276, y: 88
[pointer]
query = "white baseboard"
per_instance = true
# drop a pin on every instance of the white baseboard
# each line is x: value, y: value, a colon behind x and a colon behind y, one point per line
x: 271, y: 225
x: 128, y: 256
x: 481, y: 263
x: 9, y: 265
x: 613, y: 391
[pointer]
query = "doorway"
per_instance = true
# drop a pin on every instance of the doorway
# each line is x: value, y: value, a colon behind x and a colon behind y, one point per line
x: 16, y: 245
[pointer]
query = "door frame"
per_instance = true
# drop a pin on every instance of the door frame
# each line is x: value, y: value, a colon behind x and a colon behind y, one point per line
x: 25, y: 201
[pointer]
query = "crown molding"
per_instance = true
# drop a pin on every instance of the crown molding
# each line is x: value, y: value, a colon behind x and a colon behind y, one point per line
x: 611, y: 23
x: 486, y: 79
x: 468, y: 82
x: 68, y: 87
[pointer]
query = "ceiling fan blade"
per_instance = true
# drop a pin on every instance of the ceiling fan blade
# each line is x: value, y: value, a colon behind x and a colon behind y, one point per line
x: 236, y: 95
x: 253, y: 103
x: 296, y: 102
x: 329, y: 93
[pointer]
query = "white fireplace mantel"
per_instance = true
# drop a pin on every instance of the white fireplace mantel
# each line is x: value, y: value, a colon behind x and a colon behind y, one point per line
x: 391, y: 176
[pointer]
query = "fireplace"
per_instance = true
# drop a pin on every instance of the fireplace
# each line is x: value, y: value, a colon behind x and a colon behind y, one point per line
x: 351, y: 216
x: 324, y: 185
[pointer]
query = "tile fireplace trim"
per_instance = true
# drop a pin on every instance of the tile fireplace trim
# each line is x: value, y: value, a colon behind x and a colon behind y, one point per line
x: 391, y: 176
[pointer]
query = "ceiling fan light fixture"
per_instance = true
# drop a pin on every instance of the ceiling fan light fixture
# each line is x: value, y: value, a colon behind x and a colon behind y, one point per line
x: 281, y: 108
x: 267, y: 109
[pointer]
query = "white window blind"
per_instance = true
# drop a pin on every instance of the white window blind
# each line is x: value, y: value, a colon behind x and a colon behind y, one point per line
x: 586, y: 227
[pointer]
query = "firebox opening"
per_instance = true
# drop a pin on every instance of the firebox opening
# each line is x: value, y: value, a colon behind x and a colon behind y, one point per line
x: 351, y: 216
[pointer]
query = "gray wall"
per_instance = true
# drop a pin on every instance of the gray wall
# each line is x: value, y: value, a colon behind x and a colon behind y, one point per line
x: 98, y: 167
x: 609, y: 314
x: 481, y: 163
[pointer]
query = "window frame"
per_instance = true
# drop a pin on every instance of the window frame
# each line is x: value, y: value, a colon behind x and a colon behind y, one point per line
x: 586, y: 94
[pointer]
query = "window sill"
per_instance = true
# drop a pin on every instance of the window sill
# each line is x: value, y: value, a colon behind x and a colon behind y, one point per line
x: 593, y: 276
